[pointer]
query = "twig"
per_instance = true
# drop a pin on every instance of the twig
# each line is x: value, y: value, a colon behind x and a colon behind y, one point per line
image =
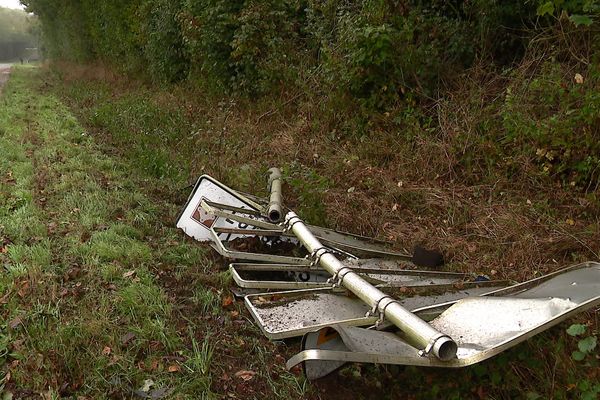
x: 274, y: 110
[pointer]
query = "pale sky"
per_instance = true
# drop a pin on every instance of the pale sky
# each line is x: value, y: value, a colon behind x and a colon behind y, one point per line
x: 10, y: 4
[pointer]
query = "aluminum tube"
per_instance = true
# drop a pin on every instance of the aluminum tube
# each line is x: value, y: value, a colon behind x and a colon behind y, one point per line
x: 417, y: 331
x: 274, y: 211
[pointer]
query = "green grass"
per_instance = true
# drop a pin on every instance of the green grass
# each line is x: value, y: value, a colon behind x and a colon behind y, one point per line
x: 100, y: 292
x: 87, y: 216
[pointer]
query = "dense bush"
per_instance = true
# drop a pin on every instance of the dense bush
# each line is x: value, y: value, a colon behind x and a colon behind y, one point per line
x: 371, y: 50
x: 363, y: 59
x: 557, y: 121
x: 161, y: 39
x: 246, y: 46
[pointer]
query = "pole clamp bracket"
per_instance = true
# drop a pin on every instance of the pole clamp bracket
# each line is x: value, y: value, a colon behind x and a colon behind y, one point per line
x: 379, y: 309
x: 427, y: 350
x: 338, y: 278
x: 289, y: 223
x: 316, y: 254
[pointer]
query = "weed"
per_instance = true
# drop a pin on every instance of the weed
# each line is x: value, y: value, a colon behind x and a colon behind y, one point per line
x: 309, y: 187
x: 199, y: 361
x: 207, y: 300
x: 586, y: 345
x: 462, y: 185
x: 93, y: 256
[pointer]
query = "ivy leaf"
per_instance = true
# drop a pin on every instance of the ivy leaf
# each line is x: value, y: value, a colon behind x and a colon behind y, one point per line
x: 593, y: 395
x: 576, y: 330
x: 588, y: 344
x: 546, y: 8
x: 579, y: 20
x: 577, y: 356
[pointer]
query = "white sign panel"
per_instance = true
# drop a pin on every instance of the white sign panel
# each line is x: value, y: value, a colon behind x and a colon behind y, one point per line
x: 196, y: 222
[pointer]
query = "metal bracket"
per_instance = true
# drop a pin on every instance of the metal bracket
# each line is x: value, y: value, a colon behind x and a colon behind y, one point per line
x: 425, y: 352
x: 375, y: 310
x: 338, y: 278
x: 290, y: 222
x: 316, y: 254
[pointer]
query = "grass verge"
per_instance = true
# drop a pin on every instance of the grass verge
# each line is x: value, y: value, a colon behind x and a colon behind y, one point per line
x: 126, y: 300
x: 100, y: 296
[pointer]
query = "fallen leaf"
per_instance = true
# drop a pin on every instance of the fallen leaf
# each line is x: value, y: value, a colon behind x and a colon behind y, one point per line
x: 159, y: 393
x: 245, y: 375
x: 24, y: 289
x: 174, y: 368
x: 114, y: 360
x: 225, y: 377
x: 227, y: 301
x: 279, y: 359
x: 128, y: 337
x: 129, y: 274
x: 570, y: 221
x: 106, y: 351
x: 15, y: 323
x: 296, y: 370
x: 155, y: 345
x: 234, y: 314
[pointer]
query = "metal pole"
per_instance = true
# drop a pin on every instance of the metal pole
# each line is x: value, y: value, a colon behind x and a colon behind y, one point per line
x: 417, y: 330
x: 274, y: 211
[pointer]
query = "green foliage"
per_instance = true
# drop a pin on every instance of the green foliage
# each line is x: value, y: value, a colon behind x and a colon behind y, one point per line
x: 377, y: 56
x: 162, y: 40
x: 585, y: 354
x: 309, y: 188
x: 585, y: 345
x: 576, y: 330
x: 558, y: 126
x: 580, y: 12
x: 140, y: 124
x: 359, y: 62
x: 370, y: 52
x: 246, y: 46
